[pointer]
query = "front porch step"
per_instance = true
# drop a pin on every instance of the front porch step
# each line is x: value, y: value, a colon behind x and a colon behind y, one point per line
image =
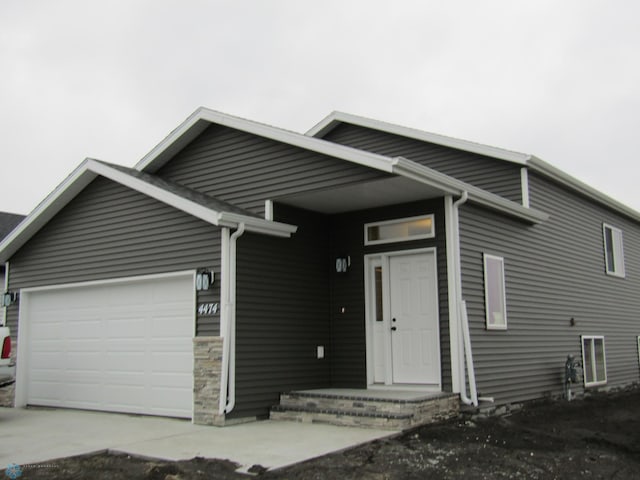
x: 392, y: 410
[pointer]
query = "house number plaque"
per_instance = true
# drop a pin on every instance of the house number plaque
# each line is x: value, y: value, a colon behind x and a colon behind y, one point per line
x: 207, y: 309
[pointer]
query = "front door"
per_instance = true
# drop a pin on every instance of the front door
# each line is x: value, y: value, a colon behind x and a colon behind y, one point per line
x: 404, y: 319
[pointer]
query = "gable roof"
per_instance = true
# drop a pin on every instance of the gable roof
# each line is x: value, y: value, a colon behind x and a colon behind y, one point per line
x: 204, y: 207
x: 220, y: 213
x: 202, y: 118
x: 334, y: 119
x: 532, y: 162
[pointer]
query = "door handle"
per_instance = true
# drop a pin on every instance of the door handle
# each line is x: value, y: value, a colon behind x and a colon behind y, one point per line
x: 393, y: 329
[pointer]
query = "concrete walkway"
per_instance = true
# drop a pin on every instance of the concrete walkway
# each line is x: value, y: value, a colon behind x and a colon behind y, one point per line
x: 37, y: 435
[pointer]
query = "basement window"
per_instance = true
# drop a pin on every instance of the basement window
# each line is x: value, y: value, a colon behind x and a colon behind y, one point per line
x: 594, y: 363
x: 613, y: 250
x: 399, y: 230
x: 494, y: 293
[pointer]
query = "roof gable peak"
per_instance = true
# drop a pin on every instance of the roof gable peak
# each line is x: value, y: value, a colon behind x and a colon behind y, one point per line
x: 336, y: 118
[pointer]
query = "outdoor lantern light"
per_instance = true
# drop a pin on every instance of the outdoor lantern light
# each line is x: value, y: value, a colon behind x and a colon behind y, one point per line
x: 204, y: 279
x: 342, y: 264
x: 8, y: 298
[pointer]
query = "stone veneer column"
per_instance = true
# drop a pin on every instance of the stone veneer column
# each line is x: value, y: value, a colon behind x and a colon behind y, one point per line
x: 207, y: 368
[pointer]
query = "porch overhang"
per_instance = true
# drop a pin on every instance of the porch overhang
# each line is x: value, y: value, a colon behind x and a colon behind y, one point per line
x: 406, y: 182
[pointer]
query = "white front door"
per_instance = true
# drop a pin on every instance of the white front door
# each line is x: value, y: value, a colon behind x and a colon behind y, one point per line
x: 403, y: 319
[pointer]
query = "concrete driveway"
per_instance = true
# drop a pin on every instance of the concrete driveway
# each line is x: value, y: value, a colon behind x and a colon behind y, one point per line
x: 36, y: 435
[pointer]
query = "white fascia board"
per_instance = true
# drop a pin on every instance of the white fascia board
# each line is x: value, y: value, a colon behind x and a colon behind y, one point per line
x: 452, y: 186
x: 328, y: 123
x: 325, y: 125
x: 214, y: 217
x: 563, y: 178
x: 409, y: 169
x: 52, y: 204
x: 176, y: 201
x: 203, y: 117
x: 505, y: 206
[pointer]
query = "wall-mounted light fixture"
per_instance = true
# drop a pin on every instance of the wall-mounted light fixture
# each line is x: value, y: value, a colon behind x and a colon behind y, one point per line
x: 204, y: 279
x: 343, y: 264
x: 8, y: 298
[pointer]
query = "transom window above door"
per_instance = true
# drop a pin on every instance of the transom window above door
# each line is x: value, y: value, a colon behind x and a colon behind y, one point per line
x: 399, y: 230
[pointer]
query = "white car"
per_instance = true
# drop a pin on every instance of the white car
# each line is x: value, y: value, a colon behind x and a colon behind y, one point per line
x: 7, y: 367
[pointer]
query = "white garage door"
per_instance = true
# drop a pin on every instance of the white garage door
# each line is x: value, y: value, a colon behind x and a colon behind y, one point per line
x: 122, y: 347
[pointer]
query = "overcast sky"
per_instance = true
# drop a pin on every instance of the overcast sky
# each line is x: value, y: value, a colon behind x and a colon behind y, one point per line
x: 109, y: 80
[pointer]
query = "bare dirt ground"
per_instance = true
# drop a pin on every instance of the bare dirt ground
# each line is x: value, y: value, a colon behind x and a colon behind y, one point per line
x: 596, y: 438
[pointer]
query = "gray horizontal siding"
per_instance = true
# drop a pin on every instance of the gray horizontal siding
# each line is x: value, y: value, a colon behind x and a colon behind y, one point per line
x: 246, y: 170
x: 496, y: 176
x: 282, y: 313
x: 554, y: 272
x: 109, y: 231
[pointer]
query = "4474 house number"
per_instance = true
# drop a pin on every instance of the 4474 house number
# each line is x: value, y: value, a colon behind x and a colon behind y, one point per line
x: 207, y: 309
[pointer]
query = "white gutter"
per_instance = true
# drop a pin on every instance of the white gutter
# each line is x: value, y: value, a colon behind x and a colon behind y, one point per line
x: 454, y: 303
x: 464, y: 340
x: 231, y: 332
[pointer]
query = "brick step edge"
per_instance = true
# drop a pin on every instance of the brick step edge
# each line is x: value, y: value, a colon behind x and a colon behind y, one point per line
x: 344, y: 412
x: 365, y: 398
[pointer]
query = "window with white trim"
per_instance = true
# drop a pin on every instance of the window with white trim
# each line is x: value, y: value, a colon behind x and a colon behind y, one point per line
x: 399, y: 230
x: 594, y: 362
x: 613, y: 250
x: 495, y: 298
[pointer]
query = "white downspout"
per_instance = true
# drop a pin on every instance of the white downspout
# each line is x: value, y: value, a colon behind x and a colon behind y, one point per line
x: 224, y: 319
x: 231, y: 333
x: 454, y: 298
x: 464, y: 350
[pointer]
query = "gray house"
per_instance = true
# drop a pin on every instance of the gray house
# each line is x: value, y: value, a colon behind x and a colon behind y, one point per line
x: 361, y: 262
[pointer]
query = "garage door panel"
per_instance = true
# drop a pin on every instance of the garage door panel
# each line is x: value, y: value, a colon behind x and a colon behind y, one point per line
x: 170, y: 363
x: 114, y: 347
x: 46, y: 361
x: 46, y: 332
x: 127, y: 327
x: 48, y: 393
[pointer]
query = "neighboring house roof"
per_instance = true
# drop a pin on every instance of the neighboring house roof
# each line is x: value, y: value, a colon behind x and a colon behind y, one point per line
x: 9, y: 221
x: 526, y: 160
x: 204, y: 207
